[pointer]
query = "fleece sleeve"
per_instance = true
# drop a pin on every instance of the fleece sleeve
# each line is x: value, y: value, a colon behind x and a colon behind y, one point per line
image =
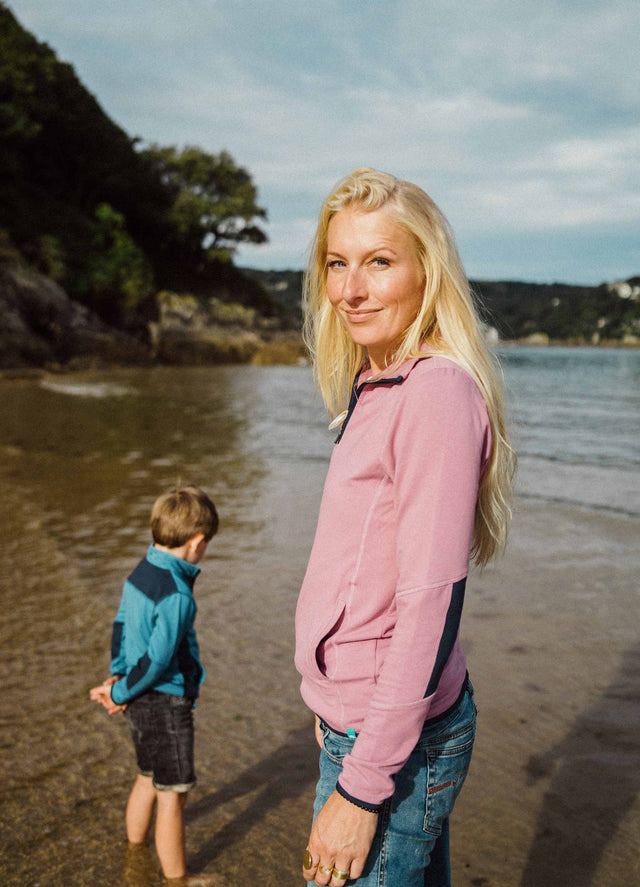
x: 118, y: 662
x: 174, y: 617
x: 435, y: 455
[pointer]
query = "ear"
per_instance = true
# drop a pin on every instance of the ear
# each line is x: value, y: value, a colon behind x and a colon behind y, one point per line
x: 195, y: 543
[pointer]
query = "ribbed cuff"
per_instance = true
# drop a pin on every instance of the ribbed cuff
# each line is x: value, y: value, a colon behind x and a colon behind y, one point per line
x: 363, y: 805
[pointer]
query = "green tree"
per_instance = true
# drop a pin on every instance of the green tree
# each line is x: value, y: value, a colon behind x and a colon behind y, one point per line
x: 60, y: 158
x: 179, y: 213
x: 120, y: 277
x: 214, y: 202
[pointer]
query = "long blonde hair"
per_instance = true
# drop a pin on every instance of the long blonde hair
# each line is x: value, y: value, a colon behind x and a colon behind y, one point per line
x: 447, y: 322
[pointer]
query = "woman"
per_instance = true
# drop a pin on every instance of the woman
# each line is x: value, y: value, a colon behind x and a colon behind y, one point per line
x: 419, y: 480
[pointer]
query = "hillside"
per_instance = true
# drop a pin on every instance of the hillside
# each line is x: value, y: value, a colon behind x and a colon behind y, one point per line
x: 605, y: 313
x: 82, y: 202
x: 96, y: 230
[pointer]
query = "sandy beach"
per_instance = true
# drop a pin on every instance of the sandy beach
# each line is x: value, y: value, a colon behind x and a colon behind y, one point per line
x: 551, y: 635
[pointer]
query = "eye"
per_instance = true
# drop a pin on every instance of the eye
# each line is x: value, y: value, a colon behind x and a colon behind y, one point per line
x: 336, y: 263
x: 380, y: 262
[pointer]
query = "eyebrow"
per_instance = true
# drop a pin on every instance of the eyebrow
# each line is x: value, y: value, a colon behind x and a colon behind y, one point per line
x: 371, y: 252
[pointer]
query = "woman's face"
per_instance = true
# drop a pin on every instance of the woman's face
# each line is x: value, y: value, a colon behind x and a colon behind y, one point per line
x: 374, y: 279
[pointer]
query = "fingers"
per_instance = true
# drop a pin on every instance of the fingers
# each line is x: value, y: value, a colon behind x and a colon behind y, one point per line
x: 334, y: 874
x: 309, y: 865
x: 339, y: 875
x: 104, y: 698
x: 323, y: 874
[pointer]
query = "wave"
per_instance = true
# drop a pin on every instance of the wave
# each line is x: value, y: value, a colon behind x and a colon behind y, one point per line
x: 87, y: 389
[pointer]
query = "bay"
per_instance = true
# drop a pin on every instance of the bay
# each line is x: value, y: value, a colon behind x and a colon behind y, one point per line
x: 576, y: 424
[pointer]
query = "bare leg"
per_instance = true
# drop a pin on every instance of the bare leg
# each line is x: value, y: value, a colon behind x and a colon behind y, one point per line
x: 140, y: 809
x: 170, y: 833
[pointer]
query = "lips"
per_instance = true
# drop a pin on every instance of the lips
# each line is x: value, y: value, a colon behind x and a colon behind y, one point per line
x: 361, y: 316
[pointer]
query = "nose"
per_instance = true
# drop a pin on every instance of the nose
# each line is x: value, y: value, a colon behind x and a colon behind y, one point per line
x: 354, y: 288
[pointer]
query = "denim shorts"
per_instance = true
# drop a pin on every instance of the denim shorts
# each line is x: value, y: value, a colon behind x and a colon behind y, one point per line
x: 161, y: 726
x: 411, y: 846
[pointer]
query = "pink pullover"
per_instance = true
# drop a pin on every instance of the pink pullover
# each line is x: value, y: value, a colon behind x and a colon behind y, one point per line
x: 379, y: 610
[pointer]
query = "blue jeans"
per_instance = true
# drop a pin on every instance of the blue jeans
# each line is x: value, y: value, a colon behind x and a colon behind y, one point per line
x: 411, y: 846
x: 161, y: 726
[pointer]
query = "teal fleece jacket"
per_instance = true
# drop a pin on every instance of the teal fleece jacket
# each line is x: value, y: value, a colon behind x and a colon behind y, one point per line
x: 153, y: 643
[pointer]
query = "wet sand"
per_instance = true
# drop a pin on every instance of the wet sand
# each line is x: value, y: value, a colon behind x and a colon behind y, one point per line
x: 551, y: 634
x: 555, y: 658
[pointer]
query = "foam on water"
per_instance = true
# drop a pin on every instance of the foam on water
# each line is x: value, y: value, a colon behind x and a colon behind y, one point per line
x: 86, y: 389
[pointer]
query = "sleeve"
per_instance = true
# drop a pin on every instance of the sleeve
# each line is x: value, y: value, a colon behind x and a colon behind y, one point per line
x: 436, y: 452
x: 174, y: 617
x: 118, y: 662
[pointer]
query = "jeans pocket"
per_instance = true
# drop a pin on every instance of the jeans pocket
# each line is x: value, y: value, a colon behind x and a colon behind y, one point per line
x: 447, y: 767
x: 334, y: 745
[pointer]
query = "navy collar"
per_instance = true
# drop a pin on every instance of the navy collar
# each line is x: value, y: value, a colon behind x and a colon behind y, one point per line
x: 172, y: 563
x: 359, y: 384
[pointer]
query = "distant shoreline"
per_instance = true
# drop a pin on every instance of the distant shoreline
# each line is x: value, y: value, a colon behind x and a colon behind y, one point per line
x: 41, y: 328
x: 282, y: 352
x: 568, y: 343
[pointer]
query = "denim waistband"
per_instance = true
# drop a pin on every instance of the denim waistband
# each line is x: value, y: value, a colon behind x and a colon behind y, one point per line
x: 466, y: 685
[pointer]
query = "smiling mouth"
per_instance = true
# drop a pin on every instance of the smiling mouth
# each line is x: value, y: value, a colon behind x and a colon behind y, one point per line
x: 359, y: 316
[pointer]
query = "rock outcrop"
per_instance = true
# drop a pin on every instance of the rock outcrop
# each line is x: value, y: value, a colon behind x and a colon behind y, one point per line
x: 40, y: 325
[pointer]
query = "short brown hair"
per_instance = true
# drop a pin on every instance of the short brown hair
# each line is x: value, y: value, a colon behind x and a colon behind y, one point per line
x: 180, y: 514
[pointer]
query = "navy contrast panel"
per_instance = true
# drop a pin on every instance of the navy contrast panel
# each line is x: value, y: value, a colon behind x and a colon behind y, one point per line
x: 116, y: 639
x: 190, y: 669
x: 138, y: 671
x: 154, y: 582
x: 449, y: 634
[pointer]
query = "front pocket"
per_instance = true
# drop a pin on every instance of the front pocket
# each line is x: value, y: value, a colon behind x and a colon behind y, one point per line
x: 329, y: 628
x: 336, y: 746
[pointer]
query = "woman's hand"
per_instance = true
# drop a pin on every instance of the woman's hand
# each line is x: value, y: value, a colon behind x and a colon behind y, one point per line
x: 318, y: 731
x: 339, y: 842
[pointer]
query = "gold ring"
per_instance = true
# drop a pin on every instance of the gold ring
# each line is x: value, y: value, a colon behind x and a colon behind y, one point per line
x: 307, y: 860
x: 341, y: 876
x: 324, y: 870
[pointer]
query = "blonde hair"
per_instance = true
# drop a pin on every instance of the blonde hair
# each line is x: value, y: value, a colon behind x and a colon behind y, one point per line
x: 446, y: 321
x: 181, y: 514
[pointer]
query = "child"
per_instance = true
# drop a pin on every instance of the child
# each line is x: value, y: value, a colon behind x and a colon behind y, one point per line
x: 156, y: 671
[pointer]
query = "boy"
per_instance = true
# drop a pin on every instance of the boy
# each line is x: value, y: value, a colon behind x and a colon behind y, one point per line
x: 156, y: 671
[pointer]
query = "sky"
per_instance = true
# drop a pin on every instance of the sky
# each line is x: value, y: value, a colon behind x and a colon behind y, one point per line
x: 520, y: 119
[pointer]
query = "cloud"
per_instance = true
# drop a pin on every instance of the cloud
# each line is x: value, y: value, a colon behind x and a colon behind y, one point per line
x: 518, y: 118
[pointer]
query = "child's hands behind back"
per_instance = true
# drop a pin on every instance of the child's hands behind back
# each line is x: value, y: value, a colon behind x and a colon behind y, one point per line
x: 102, y: 694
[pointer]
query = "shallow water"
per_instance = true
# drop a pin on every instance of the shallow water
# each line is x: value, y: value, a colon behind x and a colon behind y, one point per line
x: 84, y: 456
x: 576, y: 424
